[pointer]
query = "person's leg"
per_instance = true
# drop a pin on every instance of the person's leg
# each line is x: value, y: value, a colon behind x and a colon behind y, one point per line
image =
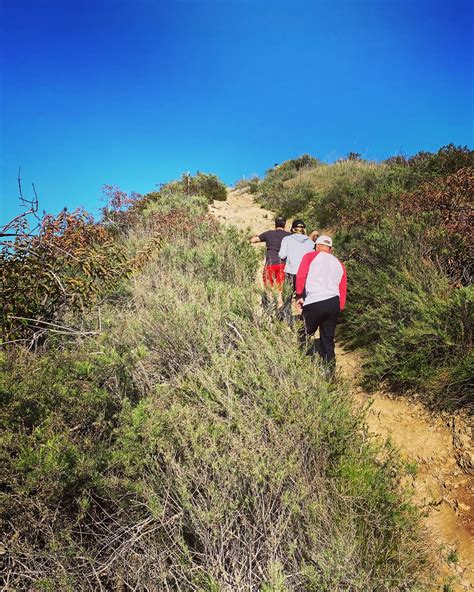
x: 312, y: 319
x: 279, y: 271
x: 327, y: 328
x: 268, y: 299
x: 286, y: 311
x: 273, y: 279
x: 290, y: 281
x: 296, y: 312
x: 266, y: 277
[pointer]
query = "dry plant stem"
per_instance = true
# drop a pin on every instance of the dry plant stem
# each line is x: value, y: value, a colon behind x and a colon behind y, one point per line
x: 235, y: 330
x: 65, y: 330
x: 31, y: 209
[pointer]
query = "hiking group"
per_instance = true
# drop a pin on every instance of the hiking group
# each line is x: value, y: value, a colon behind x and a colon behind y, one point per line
x: 315, y: 278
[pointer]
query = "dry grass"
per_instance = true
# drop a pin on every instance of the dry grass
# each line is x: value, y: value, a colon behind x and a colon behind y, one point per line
x: 322, y: 178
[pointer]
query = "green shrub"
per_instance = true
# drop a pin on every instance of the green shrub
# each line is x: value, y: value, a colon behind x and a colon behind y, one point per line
x: 272, y: 191
x: 292, y: 201
x: 204, y: 184
x: 251, y: 185
x: 254, y: 184
x: 192, y: 446
x: 256, y: 443
x: 403, y: 227
x: 416, y: 328
x: 427, y: 165
x: 442, y: 214
x: 289, y: 168
x: 69, y: 264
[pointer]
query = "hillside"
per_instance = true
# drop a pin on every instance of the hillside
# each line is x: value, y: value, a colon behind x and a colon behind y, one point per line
x: 404, y: 227
x: 160, y: 431
x: 436, y: 449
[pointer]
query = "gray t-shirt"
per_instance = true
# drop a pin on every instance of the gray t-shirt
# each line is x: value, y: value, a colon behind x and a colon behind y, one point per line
x: 273, y: 238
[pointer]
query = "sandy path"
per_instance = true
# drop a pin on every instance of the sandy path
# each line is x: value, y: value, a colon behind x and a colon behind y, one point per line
x: 436, y: 449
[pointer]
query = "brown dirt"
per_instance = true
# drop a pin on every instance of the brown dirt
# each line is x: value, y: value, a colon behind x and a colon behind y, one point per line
x: 440, y: 485
x: 438, y: 450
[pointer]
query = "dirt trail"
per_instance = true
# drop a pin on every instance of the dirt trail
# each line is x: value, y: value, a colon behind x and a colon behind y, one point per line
x: 437, y: 450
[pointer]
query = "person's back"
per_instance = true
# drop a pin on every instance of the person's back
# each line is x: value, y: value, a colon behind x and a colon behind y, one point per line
x: 325, y: 273
x: 273, y: 240
x: 292, y: 249
x: 273, y: 273
x: 321, y: 286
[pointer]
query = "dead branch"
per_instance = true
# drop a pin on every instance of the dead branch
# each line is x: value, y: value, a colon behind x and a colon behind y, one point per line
x: 54, y: 327
x: 20, y: 223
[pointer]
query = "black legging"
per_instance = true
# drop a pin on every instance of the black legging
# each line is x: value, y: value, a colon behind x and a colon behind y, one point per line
x: 322, y: 315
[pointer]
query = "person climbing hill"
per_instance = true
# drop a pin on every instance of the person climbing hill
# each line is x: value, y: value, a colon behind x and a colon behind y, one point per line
x: 324, y: 279
x: 293, y: 248
x: 273, y: 272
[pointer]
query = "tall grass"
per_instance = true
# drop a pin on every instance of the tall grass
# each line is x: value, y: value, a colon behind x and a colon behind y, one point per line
x: 191, y: 446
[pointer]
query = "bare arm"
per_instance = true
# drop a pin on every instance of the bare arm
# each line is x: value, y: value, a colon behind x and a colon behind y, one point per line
x: 255, y: 239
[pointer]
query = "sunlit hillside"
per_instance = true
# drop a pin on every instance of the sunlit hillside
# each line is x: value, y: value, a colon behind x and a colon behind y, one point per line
x: 404, y: 227
x: 160, y: 430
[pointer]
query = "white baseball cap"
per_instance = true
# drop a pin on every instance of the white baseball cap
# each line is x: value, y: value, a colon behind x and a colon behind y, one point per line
x: 324, y: 240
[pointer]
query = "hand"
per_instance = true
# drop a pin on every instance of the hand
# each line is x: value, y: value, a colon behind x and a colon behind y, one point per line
x: 299, y: 303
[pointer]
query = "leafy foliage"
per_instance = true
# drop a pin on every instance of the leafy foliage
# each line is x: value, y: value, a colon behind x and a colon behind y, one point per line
x: 65, y: 266
x: 290, y: 168
x: 251, y: 185
x: 70, y: 263
x: 122, y: 209
x: 190, y: 445
x: 402, y: 309
x: 404, y: 228
x: 426, y: 165
x: 444, y: 213
x: 272, y: 188
x: 205, y: 184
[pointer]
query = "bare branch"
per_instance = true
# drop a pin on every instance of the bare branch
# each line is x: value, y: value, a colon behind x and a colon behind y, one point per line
x: 20, y: 223
x: 19, y: 183
x: 49, y: 326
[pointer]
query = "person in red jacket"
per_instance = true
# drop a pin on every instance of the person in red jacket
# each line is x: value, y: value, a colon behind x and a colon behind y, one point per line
x: 323, y: 277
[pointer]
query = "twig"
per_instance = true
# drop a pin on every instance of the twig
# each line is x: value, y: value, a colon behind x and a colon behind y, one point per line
x: 31, y: 206
x: 236, y: 331
x: 66, y: 330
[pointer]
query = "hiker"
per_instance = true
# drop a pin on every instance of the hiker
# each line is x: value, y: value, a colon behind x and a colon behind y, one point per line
x: 323, y: 277
x: 273, y: 272
x: 293, y: 248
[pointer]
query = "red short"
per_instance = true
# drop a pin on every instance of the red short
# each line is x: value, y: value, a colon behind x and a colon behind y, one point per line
x: 273, y: 275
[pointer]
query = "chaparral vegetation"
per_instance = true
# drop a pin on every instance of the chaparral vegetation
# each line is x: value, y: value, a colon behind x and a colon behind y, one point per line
x: 159, y: 431
x: 404, y: 227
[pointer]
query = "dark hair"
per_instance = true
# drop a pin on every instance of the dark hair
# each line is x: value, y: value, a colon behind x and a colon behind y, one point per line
x: 280, y: 222
x: 297, y: 224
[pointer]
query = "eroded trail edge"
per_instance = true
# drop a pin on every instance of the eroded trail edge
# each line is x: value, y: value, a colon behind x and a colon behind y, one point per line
x: 438, y: 450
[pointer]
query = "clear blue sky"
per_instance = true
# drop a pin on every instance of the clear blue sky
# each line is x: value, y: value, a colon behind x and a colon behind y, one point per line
x: 134, y: 92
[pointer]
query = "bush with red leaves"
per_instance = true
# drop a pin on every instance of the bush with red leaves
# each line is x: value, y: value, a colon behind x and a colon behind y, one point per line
x: 65, y: 266
x: 445, y: 211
